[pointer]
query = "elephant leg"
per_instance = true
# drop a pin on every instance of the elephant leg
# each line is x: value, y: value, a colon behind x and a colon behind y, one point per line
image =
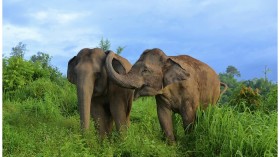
x: 188, y: 116
x: 119, y: 114
x: 102, y: 119
x: 128, y: 109
x: 165, y: 120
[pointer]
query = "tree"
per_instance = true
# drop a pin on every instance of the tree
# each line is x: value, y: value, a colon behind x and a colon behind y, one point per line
x: 260, y: 83
x: 43, y: 68
x: 19, y: 50
x: 104, y: 44
x: 41, y: 57
x: 120, y: 49
x: 232, y: 71
x: 233, y: 84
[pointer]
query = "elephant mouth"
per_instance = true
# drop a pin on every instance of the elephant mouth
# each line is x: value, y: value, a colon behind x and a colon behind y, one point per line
x: 146, y: 90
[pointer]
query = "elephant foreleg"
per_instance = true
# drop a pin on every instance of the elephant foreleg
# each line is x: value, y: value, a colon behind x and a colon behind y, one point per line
x: 102, y: 119
x: 188, y: 116
x: 165, y: 120
x: 119, y: 113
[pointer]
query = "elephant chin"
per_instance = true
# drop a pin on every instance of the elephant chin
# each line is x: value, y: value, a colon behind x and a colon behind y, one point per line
x: 146, y: 91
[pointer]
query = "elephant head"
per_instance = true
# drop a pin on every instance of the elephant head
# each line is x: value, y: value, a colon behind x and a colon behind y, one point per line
x: 87, y: 72
x: 153, y: 71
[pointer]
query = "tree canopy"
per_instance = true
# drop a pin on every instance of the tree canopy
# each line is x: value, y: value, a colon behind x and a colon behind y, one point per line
x: 19, y: 50
x: 232, y: 71
x: 106, y: 45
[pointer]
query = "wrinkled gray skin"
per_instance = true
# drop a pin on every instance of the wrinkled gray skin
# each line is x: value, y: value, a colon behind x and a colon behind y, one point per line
x: 97, y: 95
x: 180, y: 84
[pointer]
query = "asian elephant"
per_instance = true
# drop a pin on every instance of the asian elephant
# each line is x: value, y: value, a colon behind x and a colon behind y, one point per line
x: 98, y: 96
x: 179, y: 84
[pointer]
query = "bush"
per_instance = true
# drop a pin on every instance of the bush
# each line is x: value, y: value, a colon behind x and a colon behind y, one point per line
x: 62, y: 97
x: 271, y: 100
x: 246, y: 98
x: 16, y: 73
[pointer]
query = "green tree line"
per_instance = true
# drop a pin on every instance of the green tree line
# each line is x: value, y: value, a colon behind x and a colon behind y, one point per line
x: 257, y: 93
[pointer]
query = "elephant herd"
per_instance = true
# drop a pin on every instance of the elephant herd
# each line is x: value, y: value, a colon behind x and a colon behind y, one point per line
x: 107, y: 84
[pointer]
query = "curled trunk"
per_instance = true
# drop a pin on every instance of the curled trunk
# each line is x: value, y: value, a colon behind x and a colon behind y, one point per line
x: 127, y: 81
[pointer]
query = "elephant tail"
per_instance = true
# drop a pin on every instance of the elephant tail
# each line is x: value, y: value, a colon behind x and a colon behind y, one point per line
x: 225, y: 88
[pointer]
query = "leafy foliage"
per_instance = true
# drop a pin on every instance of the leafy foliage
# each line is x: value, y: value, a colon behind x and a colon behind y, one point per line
x: 271, y: 100
x: 19, y: 50
x: 18, y: 72
x: 120, y: 49
x: 232, y: 71
x: 42, y: 58
x: 261, y: 85
x: 106, y: 45
x: 246, y: 98
x: 232, y: 84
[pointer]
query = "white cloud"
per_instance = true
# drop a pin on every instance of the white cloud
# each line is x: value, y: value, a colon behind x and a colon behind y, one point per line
x: 13, y: 34
x: 53, y: 16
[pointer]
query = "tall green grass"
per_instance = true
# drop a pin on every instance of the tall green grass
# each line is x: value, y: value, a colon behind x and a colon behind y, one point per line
x: 48, y: 125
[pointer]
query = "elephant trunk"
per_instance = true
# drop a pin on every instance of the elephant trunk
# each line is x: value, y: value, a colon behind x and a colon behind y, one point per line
x: 128, y: 80
x: 85, y: 92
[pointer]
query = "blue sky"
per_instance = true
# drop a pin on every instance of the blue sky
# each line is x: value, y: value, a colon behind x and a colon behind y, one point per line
x: 242, y: 33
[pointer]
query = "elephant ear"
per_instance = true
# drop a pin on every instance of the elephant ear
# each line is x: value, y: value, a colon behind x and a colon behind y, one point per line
x: 71, y: 75
x: 175, y: 70
x: 121, y: 67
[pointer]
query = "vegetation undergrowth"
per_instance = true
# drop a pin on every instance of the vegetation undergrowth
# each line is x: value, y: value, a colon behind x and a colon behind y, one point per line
x: 32, y: 127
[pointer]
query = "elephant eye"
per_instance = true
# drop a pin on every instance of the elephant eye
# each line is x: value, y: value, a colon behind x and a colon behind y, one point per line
x: 145, y: 71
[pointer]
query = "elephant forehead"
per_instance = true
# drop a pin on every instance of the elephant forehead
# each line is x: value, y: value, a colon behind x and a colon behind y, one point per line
x: 151, y: 59
x: 151, y: 66
x: 88, y: 66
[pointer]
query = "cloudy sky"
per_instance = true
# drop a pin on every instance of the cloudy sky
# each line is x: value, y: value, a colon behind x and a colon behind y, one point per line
x: 242, y: 33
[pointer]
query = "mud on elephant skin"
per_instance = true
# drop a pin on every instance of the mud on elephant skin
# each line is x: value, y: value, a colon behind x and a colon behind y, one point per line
x: 98, y: 96
x: 180, y: 84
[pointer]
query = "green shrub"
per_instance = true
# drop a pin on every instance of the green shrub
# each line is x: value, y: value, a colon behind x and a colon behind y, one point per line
x: 43, y: 90
x: 35, y: 90
x: 246, y: 98
x: 16, y: 73
x: 271, y: 100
